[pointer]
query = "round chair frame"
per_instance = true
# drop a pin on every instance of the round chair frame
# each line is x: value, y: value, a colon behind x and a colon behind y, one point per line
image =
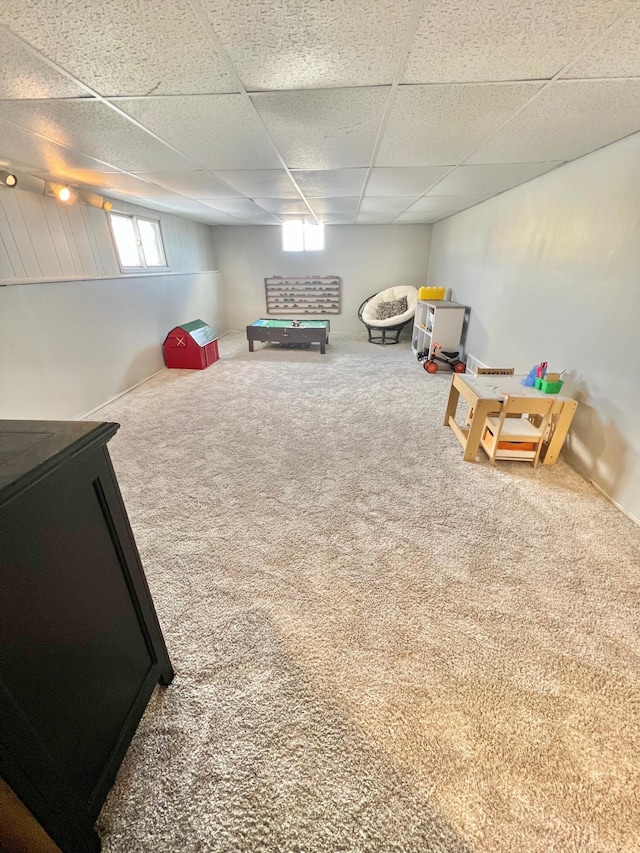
x: 382, y: 331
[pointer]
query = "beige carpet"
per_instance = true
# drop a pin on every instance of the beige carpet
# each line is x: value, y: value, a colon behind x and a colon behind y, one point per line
x: 378, y: 647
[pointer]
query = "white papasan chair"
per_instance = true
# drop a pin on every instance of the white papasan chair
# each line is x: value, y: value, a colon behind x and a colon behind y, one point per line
x: 387, y: 330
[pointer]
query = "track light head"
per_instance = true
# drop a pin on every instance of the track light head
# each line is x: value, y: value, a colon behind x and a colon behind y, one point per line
x: 62, y: 192
x: 8, y: 178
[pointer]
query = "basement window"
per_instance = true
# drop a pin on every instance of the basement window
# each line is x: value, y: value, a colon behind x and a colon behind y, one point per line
x: 300, y: 236
x: 138, y: 241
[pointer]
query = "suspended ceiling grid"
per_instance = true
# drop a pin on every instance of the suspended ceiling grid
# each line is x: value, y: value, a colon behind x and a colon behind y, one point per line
x: 342, y: 111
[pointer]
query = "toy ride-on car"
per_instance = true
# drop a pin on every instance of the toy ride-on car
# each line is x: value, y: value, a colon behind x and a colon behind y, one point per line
x: 452, y: 359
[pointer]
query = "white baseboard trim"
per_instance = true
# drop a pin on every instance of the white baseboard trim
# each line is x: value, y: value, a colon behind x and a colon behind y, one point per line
x: 624, y: 511
x: 106, y: 402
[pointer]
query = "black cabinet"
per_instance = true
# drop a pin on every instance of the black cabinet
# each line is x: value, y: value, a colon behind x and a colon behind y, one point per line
x: 81, y: 648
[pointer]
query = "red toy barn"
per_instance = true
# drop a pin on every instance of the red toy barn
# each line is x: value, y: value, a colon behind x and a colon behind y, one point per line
x: 192, y: 345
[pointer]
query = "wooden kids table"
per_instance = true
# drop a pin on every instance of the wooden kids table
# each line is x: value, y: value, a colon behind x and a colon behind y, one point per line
x: 484, y: 394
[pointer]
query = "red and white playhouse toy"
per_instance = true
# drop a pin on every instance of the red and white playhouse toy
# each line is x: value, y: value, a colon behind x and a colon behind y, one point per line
x: 191, y: 346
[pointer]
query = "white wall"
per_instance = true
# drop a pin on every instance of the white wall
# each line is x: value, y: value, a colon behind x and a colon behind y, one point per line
x: 74, y: 331
x: 551, y: 270
x: 368, y: 258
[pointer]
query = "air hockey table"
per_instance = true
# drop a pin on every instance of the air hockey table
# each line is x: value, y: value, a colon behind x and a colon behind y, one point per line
x: 293, y: 333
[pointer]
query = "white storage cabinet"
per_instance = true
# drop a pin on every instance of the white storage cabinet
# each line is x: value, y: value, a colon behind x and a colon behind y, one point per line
x: 437, y: 322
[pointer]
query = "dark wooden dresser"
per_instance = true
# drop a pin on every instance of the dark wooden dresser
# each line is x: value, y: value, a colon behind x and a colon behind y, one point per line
x: 81, y: 648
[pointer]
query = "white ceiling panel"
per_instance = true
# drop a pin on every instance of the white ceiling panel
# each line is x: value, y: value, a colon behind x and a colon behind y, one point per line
x: 196, y: 184
x: 283, y: 205
x: 242, y: 208
x: 21, y: 149
x: 618, y: 55
x: 338, y: 219
x: 123, y: 47
x: 385, y: 205
x: 217, y: 217
x: 288, y: 44
x: 130, y: 186
x: 329, y: 129
x: 407, y: 181
x: 167, y: 202
x: 460, y: 40
x: 474, y: 180
x: 325, y: 206
x: 263, y: 183
x: 567, y: 120
x: 24, y: 75
x: 375, y: 218
x: 91, y: 127
x: 433, y: 208
x: 440, y: 125
x: 330, y: 183
x: 219, y: 132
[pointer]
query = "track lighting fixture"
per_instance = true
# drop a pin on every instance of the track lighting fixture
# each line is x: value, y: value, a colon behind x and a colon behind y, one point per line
x: 66, y: 193
x: 8, y: 178
x: 62, y: 192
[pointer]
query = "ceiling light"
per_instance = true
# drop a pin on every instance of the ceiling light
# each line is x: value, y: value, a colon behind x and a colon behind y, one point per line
x: 61, y: 192
x: 8, y: 178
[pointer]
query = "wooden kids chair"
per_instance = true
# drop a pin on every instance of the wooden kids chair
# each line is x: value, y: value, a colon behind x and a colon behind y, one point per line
x: 511, y: 435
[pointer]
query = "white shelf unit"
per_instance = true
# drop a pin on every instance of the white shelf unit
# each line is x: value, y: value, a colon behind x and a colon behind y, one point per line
x: 437, y: 322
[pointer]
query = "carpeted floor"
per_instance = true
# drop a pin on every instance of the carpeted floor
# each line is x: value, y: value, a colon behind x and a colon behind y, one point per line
x: 378, y: 647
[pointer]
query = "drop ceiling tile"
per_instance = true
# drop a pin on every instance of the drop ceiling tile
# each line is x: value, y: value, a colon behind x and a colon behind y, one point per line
x: 169, y: 203
x: 329, y: 129
x: 440, y: 125
x: 220, y: 218
x: 219, y: 132
x: 375, y: 218
x: 459, y: 40
x: 217, y: 217
x: 129, y: 186
x: 282, y: 205
x: 407, y: 180
x: 330, y: 183
x: 124, y: 47
x: 567, y: 120
x: 385, y: 204
x: 616, y: 56
x: 241, y: 208
x: 325, y: 206
x: 92, y: 128
x: 337, y: 218
x: 264, y: 183
x: 196, y: 184
x: 24, y: 150
x: 292, y: 45
x: 473, y: 180
x: 433, y: 208
x: 23, y: 75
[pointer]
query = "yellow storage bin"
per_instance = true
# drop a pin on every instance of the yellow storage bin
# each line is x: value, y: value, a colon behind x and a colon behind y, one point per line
x: 433, y: 293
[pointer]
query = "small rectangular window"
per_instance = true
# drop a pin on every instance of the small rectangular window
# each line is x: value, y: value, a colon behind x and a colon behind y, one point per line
x: 300, y: 236
x: 313, y: 237
x: 151, y: 240
x: 292, y: 236
x: 138, y: 241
